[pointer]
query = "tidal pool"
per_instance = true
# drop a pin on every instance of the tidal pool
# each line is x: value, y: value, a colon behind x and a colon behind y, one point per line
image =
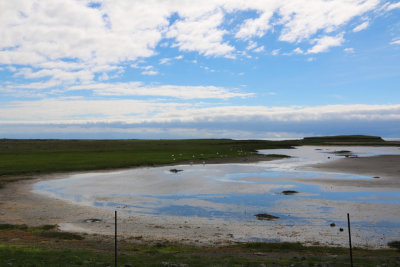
x: 236, y: 192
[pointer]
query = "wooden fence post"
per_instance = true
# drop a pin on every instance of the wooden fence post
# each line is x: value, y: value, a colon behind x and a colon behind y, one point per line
x: 115, y: 246
x: 351, y: 250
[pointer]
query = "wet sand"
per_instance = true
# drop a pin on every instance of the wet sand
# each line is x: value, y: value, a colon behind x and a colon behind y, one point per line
x: 385, y: 169
x: 19, y: 205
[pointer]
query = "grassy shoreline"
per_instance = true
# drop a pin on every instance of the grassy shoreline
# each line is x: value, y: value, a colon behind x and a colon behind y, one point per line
x: 23, y: 159
x: 25, y: 156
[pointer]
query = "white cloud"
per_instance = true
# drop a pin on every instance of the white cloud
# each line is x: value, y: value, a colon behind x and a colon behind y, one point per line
x: 167, y: 60
x: 82, y: 110
x: 303, y: 19
x: 259, y: 49
x: 298, y: 50
x: 135, y: 111
x: 323, y: 44
x: 393, y: 6
x: 361, y: 27
x: 20, y: 57
x: 395, y: 42
x: 255, y: 27
x: 275, y: 52
x: 70, y: 35
x: 104, y: 77
x: 251, y: 45
x: 11, y: 68
x: 201, y: 34
x: 57, y: 74
x: 70, y: 29
x: 349, y: 50
x: 138, y: 89
x: 147, y: 69
x: 149, y: 72
x: 49, y: 88
x: 207, y: 68
x: 34, y: 85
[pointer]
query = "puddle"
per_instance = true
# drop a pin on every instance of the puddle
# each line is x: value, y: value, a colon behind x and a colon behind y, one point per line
x: 236, y: 192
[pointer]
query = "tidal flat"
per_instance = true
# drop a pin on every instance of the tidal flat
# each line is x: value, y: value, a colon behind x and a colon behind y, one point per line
x: 211, y: 204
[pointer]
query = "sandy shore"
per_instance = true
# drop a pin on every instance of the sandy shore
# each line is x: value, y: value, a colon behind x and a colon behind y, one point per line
x: 19, y: 205
x: 386, y: 170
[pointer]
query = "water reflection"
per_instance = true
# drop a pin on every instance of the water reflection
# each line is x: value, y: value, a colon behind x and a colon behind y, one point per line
x: 235, y: 192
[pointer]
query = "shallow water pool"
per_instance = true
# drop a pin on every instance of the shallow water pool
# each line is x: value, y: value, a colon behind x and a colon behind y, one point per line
x: 236, y: 192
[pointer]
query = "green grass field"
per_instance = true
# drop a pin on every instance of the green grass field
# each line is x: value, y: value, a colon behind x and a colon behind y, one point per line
x: 46, y: 156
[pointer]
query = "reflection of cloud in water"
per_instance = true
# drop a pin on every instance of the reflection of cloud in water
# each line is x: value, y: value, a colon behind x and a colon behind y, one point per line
x: 237, y: 191
x: 312, y: 154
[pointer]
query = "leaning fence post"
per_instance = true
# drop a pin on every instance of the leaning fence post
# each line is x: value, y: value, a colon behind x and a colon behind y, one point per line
x: 115, y: 246
x: 351, y: 251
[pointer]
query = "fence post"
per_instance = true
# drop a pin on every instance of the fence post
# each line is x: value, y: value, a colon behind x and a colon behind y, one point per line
x: 351, y: 251
x: 115, y: 245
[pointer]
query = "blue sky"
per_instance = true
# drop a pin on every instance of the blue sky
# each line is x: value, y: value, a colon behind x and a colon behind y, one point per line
x: 199, y: 69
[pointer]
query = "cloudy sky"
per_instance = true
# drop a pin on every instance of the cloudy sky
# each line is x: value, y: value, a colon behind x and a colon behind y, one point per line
x: 199, y: 69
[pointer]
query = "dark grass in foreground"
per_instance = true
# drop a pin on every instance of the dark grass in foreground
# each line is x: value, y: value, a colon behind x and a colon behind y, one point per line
x: 286, y: 254
x: 21, y: 245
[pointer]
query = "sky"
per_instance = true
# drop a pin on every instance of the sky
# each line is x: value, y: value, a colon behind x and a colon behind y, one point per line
x: 159, y: 69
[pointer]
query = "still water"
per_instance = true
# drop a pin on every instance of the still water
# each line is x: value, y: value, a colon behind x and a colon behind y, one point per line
x: 236, y: 192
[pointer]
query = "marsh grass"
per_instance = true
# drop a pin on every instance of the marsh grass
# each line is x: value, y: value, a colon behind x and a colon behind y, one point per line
x: 24, y: 227
x: 251, y: 254
x: 46, y: 156
x: 47, y: 230
x: 61, y: 235
x: 263, y: 246
x: 394, y: 244
x: 53, y: 248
